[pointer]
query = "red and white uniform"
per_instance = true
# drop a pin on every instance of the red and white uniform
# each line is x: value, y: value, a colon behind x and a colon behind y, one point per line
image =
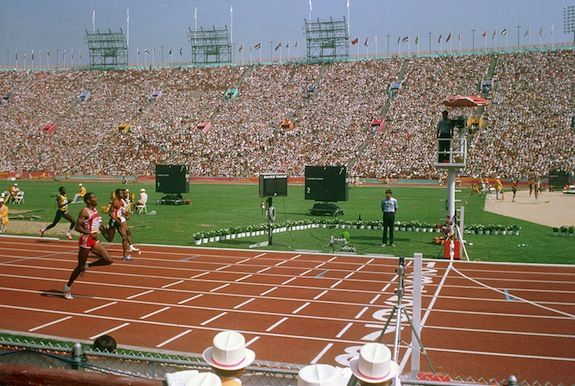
x: 121, y: 211
x: 92, y: 223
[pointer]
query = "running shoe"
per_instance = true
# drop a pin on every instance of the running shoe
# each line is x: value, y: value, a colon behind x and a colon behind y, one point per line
x: 133, y: 249
x: 127, y: 258
x: 68, y: 292
x: 68, y: 236
x: 42, y: 232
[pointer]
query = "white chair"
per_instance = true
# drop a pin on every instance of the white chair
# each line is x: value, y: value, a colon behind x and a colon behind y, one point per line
x: 19, y: 198
x: 141, y: 208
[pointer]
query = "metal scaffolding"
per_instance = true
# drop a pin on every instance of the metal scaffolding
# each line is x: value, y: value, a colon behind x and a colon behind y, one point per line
x: 107, y: 49
x: 327, y: 40
x: 210, y: 46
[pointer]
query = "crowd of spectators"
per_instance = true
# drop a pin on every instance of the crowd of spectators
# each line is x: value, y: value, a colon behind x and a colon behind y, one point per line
x: 529, y: 128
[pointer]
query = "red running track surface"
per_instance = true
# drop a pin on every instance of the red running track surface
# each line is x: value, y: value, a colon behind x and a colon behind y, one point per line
x: 480, y: 320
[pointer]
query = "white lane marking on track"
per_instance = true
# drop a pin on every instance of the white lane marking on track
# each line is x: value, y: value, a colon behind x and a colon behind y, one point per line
x: 361, y: 312
x: 49, y: 324
x: 110, y: 330
x: 306, y: 272
x: 140, y: 294
x: 319, y: 265
x: 189, y: 299
x: 321, y: 353
x: 260, y: 255
x: 276, y: 324
x: 173, y: 338
x: 289, y: 280
x: 332, y: 259
x: 349, y: 275
x: 281, y: 263
x: 244, y: 303
x: 268, y: 291
x: 244, y: 277
x: 336, y: 284
x: 343, y: 330
x: 301, y: 307
x: 254, y: 339
x: 264, y: 269
x: 244, y: 260
x: 295, y: 257
x: 172, y: 284
x: 224, y: 267
x: 154, y: 313
x: 100, y: 307
x: 375, y: 298
x: 199, y: 275
x: 212, y: 319
x: 220, y: 287
x: 320, y: 295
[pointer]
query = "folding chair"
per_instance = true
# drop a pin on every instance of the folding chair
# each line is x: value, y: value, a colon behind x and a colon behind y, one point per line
x: 19, y: 198
x: 141, y: 209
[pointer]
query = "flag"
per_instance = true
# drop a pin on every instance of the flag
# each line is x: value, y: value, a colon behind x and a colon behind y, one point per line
x: 448, y: 38
x: 32, y: 55
x: 526, y: 32
x: 417, y: 40
x: 17, y: 55
x: 406, y: 39
x: 366, y: 42
x: 296, y: 44
x: 504, y: 32
x: 287, y: 45
x: 241, y: 48
x: 459, y: 37
x: 146, y: 52
x: 484, y: 34
x: 170, y: 53
x: 64, y: 54
x: 257, y: 46
x: 541, y: 31
x: 278, y: 46
x: 439, y: 40
x: 138, y: 51
x: 181, y: 50
x: 47, y: 53
x: 494, y: 33
x: 355, y: 41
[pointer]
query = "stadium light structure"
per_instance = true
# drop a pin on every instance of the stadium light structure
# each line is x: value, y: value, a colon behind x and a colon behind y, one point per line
x: 107, y: 50
x: 327, y: 40
x: 210, y: 46
x: 569, y: 20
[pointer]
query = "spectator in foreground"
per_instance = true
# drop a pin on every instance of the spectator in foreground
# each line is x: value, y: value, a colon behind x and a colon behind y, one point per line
x: 321, y: 375
x: 105, y: 343
x: 229, y: 357
x: 3, y: 216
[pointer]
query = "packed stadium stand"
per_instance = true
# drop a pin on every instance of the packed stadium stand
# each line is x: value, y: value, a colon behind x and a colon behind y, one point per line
x: 124, y: 122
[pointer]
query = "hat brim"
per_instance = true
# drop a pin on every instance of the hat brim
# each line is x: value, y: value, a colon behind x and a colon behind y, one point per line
x: 393, y: 372
x: 248, y: 359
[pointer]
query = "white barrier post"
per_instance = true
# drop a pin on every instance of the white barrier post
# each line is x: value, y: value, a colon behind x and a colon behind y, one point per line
x: 416, y: 313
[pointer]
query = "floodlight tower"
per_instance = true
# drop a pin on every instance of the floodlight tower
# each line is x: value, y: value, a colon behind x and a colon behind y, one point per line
x: 569, y: 20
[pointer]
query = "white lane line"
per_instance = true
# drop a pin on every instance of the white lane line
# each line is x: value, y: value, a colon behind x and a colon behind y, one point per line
x: 212, y: 319
x: 336, y: 284
x: 173, y: 338
x: 344, y: 330
x: 369, y: 262
x: 224, y: 267
x: 321, y: 353
x: 289, y: 280
x: 254, y: 339
x: 301, y: 308
x: 375, y: 298
x: 100, y: 307
x: 268, y: 291
x: 295, y: 257
x: 244, y: 303
x: 306, y: 272
x: 349, y: 275
x: 140, y: 294
x: 359, y: 268
x: 244, y: 260
x: 190, y: 299
x: 260, y: 255
x: 199, y: 275
x: 332, y: 259
x: 276, y: 324
x: 263, y: 270
x: 361, y: 312
x: 243, y: 278
x: 320, y: 295
x: 172, y: 284
x: 281, y: 262
x: 319, y: 266
x: 154, y: 313
x: 387, y: 285
x: 110, y: 330
x: 49, y: 324
x: 220, y: 287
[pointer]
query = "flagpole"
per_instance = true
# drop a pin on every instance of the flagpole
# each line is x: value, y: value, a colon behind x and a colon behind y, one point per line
x: 348, y: 19
x: 310, y: 7
x: 232, y: 30
x: 128, y: 31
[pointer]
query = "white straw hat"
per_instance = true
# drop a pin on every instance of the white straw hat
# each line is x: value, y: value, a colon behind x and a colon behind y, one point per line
x: 374, y: 364
x: 142, y: 190
x: 318, y: 375
x: 204, y: 379
x: 229, y: 352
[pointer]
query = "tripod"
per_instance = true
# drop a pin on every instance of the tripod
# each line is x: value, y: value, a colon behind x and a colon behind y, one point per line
x: 398, y: 311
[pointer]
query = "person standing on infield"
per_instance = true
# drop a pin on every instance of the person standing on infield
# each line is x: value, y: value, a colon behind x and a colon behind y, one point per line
x: 88, y: 224
x: 388, y: 207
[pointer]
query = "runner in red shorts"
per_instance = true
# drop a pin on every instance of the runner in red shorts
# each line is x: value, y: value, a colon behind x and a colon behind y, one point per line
x: 88, y: 225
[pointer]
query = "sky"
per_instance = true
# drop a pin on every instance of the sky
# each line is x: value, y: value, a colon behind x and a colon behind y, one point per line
x: 158, y: 26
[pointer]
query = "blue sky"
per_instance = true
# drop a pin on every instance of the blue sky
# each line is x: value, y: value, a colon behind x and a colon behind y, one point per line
x: 43, y: 25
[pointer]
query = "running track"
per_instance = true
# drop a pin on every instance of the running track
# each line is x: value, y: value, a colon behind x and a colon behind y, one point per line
x: 480, y: 320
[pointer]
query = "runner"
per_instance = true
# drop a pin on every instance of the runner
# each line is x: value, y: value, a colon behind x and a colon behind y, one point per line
x: 118, y: 221
x: 88, y: 225
x: 62, y: 211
